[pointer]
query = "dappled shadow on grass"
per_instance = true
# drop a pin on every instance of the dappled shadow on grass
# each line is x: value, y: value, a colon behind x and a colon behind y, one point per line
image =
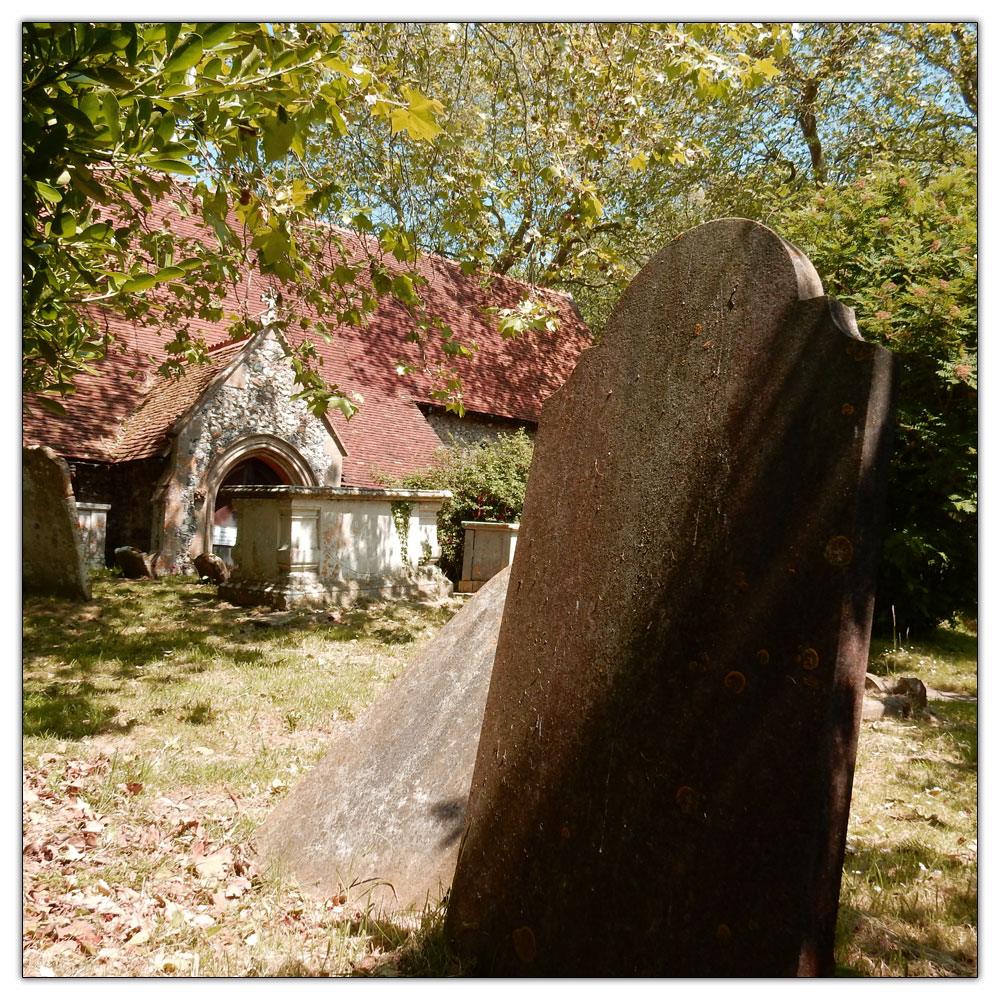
x: 293, y: 968
x: 97, y: 651
x: 80, y: 660
x: 248, y: 657
x: 946, y: 659
x: 963, y: 907
x: 408, y: 944
x: 889, y: 868
x: 962, y: 720
x: 394, y: 635
x: 897, y: 950
x: 69, y: 715
x: 421, y: 952
x: 199, y: 714
x: 132, y: 652
x: 957, y: 643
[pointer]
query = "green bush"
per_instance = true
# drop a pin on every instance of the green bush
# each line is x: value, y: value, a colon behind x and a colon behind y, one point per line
x: 900, y: 248
x: 488, y: 483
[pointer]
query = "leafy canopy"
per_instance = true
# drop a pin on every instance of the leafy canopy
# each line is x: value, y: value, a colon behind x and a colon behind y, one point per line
x: 905, y: 260
x: 554, y: 135
x: 113, y: 114
x: 517, y: 165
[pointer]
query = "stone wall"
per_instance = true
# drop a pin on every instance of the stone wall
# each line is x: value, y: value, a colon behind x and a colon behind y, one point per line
x: 255, y: 401
x: 472, y: 429
x: 129, y: 488
x: 324, y: 545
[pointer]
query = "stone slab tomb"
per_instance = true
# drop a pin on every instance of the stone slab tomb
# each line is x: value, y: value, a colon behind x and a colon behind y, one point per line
x: 93, y: 521
x: 664, y: 772
x: 382, y: 813
x: 318, y: 545
x: 488, y: 547
x: 52, y: 552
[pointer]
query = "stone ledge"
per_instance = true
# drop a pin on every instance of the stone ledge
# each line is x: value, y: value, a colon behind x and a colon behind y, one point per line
x: 337, y: 492
x: 511, y: 527
x: 425, y: 582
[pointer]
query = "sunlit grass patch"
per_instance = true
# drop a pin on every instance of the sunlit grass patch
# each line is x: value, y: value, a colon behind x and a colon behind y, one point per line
x: 946, y: 661
x: 909, y: 896
x: 162, y: 726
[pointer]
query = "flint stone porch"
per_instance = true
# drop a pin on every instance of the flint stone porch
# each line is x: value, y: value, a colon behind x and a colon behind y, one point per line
x: 325, y: 545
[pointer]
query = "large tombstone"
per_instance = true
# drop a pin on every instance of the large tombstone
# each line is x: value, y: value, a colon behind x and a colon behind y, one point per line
x: 52, y: 553
x: 382, y: 813
x: 664, y: 772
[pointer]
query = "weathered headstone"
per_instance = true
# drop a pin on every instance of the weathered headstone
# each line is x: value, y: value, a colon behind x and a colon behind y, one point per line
x: 52, y: 555
x: 134, y: 564
x: 664, y: 772
x: 209, y: 565
x: 383, y: 811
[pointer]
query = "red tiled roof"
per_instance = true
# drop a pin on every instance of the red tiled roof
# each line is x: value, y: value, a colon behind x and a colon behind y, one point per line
x: 143, y: 432
x: 125, y: 412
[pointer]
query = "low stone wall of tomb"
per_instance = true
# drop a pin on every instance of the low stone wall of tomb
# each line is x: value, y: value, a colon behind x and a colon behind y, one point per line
x: 325, y: 545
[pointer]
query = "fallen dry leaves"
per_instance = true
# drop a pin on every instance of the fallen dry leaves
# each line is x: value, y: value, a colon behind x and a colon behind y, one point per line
x: 150, y: 892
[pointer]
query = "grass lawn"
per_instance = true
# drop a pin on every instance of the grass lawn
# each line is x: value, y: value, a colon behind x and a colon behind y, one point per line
x: 161, y: 726
x: 909, y: 896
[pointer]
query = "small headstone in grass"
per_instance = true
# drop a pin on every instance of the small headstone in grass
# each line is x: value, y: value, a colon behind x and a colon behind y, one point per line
x: 52, y: 552
x: 382, y: 813
x: 664, y: 773
x: 875, y: 683
x: 891, y: 706
x: 134, y: 564
x: 900, y: 697
x: 211, y: 567
x: 913, y: 688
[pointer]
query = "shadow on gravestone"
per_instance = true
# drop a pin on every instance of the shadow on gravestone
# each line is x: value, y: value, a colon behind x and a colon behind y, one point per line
x: 52, y: 553
x: 663, y: 778
x: 383, y: 811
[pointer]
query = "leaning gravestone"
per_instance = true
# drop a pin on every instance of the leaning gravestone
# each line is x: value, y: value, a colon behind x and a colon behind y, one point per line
x: 382, y: 813
x: 52, y: 553
x: 664, y: 772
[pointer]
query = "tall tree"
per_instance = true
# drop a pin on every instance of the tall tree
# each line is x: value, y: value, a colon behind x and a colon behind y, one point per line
x: 900, y: 248
x: 554, y: 135
x: 863, y: 151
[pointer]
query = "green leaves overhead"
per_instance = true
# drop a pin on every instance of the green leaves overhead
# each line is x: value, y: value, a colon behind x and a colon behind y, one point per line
x: 113, y: 113
x: 900, y: 248
x: 543, y: 131
x: 278, y: 136
x: 186, y: 55
x: 527, y: 315
x: 419, y: 118
x: 519, y: 136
